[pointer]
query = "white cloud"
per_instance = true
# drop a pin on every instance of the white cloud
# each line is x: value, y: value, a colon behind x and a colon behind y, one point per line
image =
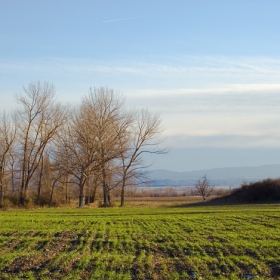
x: 216, y: 101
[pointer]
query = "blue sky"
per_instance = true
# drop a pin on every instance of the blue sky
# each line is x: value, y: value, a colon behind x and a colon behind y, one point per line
x: 210, y: 68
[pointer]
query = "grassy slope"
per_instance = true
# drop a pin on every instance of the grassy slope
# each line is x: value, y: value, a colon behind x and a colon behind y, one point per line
x: 221, y: 242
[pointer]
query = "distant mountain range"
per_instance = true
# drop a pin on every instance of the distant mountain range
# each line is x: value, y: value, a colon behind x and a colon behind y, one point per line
x: 229, y: 176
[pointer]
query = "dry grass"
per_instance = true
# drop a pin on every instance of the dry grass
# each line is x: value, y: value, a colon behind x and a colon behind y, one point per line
x: 159, y: 201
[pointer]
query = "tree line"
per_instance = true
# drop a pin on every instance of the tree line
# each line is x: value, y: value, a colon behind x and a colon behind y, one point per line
x: 52, y: 152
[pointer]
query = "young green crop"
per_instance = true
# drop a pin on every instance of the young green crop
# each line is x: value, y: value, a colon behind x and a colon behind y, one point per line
x: 221, y: 242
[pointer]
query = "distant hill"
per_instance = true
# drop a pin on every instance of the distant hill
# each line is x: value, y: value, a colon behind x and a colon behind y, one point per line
x: 229, y: 176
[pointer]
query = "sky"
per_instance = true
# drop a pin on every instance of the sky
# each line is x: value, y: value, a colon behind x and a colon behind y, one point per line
x: 211, y: 69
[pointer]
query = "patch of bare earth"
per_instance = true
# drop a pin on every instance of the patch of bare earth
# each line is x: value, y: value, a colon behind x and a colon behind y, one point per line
x: 46, y: 252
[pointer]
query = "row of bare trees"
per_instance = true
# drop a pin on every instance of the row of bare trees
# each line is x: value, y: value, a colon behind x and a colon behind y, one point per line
x: 50, y: 152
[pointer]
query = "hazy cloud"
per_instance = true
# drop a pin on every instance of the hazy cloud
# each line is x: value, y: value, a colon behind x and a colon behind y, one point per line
x: 225, y: 141
x: 203, y: 101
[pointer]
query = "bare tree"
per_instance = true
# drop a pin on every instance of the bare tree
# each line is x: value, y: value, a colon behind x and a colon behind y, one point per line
x: 203, y: 188
x: 143, y: 137
x: 39, y: 119
x: 76, y: 150
x: 7, y: 139
x: 110, y: 122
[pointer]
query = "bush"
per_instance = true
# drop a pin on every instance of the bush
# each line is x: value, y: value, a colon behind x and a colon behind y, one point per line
x: 267, y: 190
x: 7, y: 204
x: 12, y: 199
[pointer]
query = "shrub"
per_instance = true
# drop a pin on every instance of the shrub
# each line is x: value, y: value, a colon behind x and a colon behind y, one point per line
x: 267, y: 190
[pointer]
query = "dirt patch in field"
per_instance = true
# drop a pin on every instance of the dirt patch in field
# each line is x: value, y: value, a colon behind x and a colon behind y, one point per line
x: 9, y: 246
x: 46, y: 252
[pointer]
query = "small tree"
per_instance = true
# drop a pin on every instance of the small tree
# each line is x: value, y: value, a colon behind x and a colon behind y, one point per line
x: 203, y: 188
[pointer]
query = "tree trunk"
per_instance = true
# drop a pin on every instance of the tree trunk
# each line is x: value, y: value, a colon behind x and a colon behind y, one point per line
x: 38, y: 199
x: 105, y: 195
x: 22, y: 198
x: 40, y: 182
x: 93, y: 193
x: 51, y: 198
x: 109, y: 197
x: 81, y: 201
x: 67, y: 197
x: 13, y: 180
x: 87, y: 200
x: 122, y: 194
x: 23, y: 193
x: 1, y: 195
x: 1, y: 187
x: 81, y: 196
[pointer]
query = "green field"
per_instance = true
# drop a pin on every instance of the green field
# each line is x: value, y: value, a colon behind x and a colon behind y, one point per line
x: 214, y: 242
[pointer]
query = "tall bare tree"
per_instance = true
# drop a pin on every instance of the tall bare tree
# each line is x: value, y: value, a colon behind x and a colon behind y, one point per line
x: 143, y: 137
x: 7, y: 139
x: 39, y: 119
x: 76, y: 149
x: 110, y: 123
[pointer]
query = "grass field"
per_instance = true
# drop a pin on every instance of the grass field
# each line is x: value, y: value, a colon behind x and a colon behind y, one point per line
x: 214, y: 242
